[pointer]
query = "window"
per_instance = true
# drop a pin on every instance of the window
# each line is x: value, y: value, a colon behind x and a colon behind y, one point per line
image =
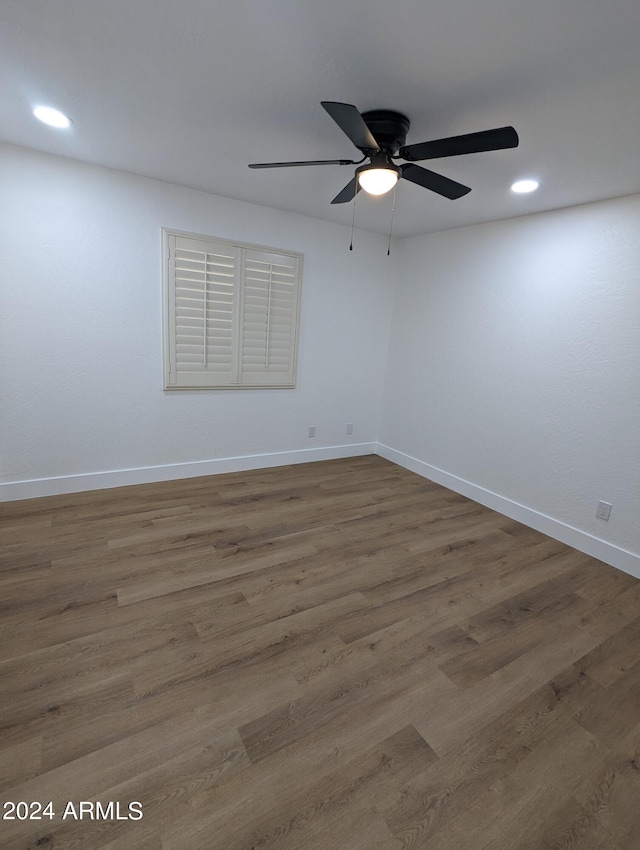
x: 231, y: 314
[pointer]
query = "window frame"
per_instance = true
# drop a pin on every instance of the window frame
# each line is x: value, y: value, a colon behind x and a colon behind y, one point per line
x: 239, y: 316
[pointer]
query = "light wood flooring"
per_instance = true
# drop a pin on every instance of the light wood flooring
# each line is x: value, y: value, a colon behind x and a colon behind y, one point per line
x: 332, y: 655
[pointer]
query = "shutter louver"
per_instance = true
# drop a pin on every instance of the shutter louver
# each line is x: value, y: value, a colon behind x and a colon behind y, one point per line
x: 231, y: 315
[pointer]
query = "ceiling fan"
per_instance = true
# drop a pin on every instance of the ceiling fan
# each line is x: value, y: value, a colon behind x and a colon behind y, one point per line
x: 380, y: 137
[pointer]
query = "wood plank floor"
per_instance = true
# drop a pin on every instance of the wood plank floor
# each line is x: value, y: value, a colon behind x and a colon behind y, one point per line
x: 332, y: 655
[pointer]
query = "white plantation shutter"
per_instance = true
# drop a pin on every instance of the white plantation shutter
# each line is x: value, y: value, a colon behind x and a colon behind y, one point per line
x: 231, y: 315
x: 204, y: 312
x: 269, y: 317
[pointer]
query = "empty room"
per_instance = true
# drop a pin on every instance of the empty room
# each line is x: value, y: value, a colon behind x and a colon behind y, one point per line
x: 319, y: 425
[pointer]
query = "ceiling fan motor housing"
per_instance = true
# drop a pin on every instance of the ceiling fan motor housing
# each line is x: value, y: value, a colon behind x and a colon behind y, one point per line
x: 388, y: 128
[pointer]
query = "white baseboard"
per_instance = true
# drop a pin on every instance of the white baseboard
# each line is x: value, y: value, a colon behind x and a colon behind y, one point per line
x: 622, y: 559
x: 34, y: 488
x: 617, y: 557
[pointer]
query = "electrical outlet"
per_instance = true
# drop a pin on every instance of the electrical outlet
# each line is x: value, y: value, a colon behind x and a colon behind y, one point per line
x: 312, y: 430
x: 349, y: 427
x: 603, y: 511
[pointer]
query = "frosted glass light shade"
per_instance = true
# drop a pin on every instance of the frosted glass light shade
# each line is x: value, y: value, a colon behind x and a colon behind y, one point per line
x: 377, y: 181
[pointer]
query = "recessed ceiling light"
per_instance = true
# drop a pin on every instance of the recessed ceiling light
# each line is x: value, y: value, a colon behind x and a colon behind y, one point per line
x: 524, y: 186
x: 52, y: 117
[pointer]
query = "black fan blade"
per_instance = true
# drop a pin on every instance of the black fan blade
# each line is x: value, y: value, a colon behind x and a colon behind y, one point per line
x: 307, y: 162
x: 348, y: 193
x: 352, y: 123
x: 436, y: 182
x: 485, y: 140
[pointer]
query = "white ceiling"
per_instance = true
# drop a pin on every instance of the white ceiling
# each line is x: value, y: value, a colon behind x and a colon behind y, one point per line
x: 191, y: 91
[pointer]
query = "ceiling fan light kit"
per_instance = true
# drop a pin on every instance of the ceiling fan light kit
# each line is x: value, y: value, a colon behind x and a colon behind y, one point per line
x: 379, y: 177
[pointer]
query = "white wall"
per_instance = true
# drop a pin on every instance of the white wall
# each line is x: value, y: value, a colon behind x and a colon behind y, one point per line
x: 81, y: 334
x: 514, y: 370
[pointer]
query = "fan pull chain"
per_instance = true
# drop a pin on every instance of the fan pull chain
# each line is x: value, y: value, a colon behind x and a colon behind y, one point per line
x: 393, y: 209
x: 353, y: 218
